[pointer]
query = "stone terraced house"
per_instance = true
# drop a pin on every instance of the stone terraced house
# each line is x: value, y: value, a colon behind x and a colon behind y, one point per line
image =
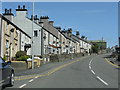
x: 12, y: 38
x: 47, y: 38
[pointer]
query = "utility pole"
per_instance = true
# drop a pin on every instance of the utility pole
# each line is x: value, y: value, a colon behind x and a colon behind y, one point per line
x: 102, y: 45
x: 119, y: 41
x: 0, y: 27
x: 32, y: 38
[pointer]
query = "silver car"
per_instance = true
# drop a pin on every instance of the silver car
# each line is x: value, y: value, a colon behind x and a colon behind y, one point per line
x: 6, y: 73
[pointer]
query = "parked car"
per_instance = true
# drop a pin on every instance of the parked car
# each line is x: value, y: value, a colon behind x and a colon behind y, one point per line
x: 118, y: 53
x: 6, y: 73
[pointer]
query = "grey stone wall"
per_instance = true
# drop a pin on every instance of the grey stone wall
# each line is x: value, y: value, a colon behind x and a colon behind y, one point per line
x: 62, y: 57
x: 21, y: 66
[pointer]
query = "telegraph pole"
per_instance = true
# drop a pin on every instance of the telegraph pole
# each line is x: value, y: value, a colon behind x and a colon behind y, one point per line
x: 119, y: 41
x: 0, y: 27
x: 102, y: 45
x: 32, y: 37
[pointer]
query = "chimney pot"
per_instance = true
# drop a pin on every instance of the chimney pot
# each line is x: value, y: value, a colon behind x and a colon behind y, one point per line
x: 35, y: 16
x: 23, y: 6
x: 10, y: 10
x: 47, y: 17
x: 31, y: 17
x: 18, y: 6
x: 5, y: 11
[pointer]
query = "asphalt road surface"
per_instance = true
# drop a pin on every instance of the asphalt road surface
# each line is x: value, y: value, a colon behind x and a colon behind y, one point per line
x: 85, y: 72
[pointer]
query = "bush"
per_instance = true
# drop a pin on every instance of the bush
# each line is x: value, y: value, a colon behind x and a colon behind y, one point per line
x: 4, y: 58
x: 23, y: 58
x: 20, y: 53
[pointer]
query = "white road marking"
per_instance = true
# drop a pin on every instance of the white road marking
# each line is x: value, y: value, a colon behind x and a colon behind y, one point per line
x: 90, y: 62
x: 28, y: 82
x: 92, y: 71
x: 97, y: 76
x: 36, y: 77
x: 102, y: 80
x: 90, y: 67
x: 22, y: 85
x: 31, y: 80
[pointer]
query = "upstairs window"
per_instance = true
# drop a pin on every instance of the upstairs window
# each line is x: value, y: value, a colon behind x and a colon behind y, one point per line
x: 7, y: 44
x: 7, y: 27
x: 35, y: 33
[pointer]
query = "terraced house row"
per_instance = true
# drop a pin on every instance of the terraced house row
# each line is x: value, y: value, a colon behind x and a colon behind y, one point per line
x: 16, y: 32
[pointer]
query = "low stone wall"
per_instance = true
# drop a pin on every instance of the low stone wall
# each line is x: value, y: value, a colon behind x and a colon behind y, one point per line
x: 19, y: 66
x: 22, y: 65
x: 62, y: 57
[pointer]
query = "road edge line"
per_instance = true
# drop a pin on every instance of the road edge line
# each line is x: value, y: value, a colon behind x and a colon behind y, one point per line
x: 112, y: 63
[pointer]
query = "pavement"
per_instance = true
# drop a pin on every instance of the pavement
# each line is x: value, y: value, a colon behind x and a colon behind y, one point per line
x: 85, y: 72
x: 42, y: 68
x: 113, y: 61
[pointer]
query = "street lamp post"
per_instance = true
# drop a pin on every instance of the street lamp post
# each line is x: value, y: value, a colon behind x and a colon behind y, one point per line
x: 32, y: 38
x: 102, y: 45
x: 119, y: 41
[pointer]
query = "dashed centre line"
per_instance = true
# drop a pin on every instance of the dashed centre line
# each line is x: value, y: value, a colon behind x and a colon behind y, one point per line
x: 31, y: 80
x: 36, y: 77
x: 102, y: 80
x: 95, y: 74
x: 49, y: 73
x: 22, y: 85
x: 92, y: 71
x: 90, y: 67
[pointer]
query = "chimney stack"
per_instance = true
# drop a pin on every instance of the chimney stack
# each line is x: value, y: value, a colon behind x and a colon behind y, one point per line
x: 77, y: 34
x: 41, y: 23
x: 69, y: 31
x: 44, y: 19
x: 8, y: 14
x: 36, y: 19
x: 58, y: 28
x: 21, y: 11
x: 51, y: 22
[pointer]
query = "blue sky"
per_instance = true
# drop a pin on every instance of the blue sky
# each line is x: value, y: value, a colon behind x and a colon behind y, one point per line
x: 93, y: 19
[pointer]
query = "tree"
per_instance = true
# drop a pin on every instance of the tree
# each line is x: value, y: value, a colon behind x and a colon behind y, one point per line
x: 95, y: 48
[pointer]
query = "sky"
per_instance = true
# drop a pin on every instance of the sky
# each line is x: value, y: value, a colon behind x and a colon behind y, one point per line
x: 92, y: 19
x: 60, y: 0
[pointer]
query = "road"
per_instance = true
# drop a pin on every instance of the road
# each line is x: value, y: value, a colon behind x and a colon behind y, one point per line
x: 85, y: 72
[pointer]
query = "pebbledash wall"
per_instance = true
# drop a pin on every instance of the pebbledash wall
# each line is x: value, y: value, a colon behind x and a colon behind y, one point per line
x: 13, y: 38
x: 52, y: 35
x: 26, y: 24
x: 9, y: 39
